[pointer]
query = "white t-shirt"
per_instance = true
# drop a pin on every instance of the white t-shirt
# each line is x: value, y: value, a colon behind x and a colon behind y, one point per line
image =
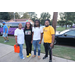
x: 37, y: 33
x: 20, y: 36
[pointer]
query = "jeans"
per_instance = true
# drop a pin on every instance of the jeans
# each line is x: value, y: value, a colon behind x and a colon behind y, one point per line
x: 21, y: 49
x: 28, y: 47
x: 36, y: 45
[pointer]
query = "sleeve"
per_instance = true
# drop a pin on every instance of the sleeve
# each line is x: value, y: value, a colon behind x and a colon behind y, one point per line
x: 33, y: 29
x: 5, y: 27
x: 52, y: 30
x: 15, y: 33
x: 41, y: 30
x: 24, y: 31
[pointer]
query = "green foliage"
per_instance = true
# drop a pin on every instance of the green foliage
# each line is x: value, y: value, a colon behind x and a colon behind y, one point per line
x: 67, y: 18
x: 44, y: 15
x: 4, y: 16
x: 25, y: 16
x: 33, y: 15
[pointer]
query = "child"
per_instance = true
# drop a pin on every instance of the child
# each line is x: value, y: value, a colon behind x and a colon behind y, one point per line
x: 37, y: 37
x: 28, y: 38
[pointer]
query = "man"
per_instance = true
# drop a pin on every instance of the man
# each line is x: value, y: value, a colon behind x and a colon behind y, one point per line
x: 37, y: 37
x: 5, y: 32
x: 49, y: 36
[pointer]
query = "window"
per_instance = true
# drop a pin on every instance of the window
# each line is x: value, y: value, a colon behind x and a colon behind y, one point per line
x: 12, y: 25
x: 71, y: 33
x: 1, y: 25
x: 23, y: 24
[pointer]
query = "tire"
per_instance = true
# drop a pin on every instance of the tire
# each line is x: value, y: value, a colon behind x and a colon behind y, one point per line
x: 55, y: 42
x: 0, y: 34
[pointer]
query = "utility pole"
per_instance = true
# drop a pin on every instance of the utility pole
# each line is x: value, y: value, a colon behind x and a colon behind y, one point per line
x: 14, y: 16
x: 54, y: 22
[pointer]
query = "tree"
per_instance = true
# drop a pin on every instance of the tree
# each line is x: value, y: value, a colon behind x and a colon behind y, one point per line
x: 32, y: 15
x: 17, y: 16
x: 68, y: 18
x: 4, y: 16
x: 25, y: 16
x: 11, y: 15
x: 44, y: 15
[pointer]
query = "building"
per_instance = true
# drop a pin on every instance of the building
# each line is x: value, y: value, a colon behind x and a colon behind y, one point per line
x: 22, y: 20
x: 1, y: 21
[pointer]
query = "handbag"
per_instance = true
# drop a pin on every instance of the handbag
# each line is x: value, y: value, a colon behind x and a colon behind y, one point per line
x: 16, y: 49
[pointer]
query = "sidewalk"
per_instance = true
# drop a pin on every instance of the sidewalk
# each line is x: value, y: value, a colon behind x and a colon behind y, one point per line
x: 7, y: 55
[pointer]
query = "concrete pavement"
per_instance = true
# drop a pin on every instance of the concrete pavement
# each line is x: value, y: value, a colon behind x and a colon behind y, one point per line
x: 7, y: 55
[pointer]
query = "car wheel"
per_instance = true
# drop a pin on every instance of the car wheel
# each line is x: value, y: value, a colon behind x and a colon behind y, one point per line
x: 55, y: 42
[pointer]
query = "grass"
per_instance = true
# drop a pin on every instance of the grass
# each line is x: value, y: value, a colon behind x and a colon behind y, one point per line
x: 59, y: 51
x: 60, y: 28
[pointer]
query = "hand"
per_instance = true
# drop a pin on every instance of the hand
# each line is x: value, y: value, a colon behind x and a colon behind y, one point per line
x: 31, y: 41
x: 40, y: 42
x: 51, y: 45
x: 16, y: 44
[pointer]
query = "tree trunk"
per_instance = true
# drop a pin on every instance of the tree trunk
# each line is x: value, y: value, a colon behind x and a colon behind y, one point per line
x: 66, y: 26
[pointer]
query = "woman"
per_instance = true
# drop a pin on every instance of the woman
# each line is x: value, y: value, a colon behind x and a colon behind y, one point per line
x: 37, y: 37
x: 19, y: 38
x: 28, y: 38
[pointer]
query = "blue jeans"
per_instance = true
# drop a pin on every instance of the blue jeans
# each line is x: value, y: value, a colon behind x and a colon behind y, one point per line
x: 36, y: 45
x: 21, y: 48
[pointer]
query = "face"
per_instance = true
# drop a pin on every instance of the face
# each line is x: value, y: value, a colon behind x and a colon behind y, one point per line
x: 3, y: 24
x: 36, y: 23
x: 46, y: 23
x: 28, y: 25
x: 20, y: 26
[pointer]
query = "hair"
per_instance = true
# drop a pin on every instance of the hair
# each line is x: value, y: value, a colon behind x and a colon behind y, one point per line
x: 48, y: 20
x: 35, y: 24
x: 26, y: 26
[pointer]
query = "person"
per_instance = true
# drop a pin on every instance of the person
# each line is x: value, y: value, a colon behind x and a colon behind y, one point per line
x: 19, y: 38
x: 5, y: 32
x: 49, y: 36
x: 37, y: 37
x: 28, y: 38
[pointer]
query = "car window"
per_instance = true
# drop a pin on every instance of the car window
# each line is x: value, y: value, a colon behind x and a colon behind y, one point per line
x: 71, y: 33
x: 64, y: 31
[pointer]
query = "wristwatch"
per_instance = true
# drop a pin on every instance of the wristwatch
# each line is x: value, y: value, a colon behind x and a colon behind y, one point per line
x: 51, y: 43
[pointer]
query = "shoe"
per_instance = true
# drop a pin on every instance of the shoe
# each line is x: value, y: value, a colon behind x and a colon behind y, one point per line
x: 39, y: 57
x: 29, y: 54
x: 23, y: 58
x: 33, y: 56
x: 5, y: 41
x: 45, y: 57
x: 50, y: 60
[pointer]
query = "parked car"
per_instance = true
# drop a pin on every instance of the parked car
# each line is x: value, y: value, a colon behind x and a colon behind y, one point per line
x: 66, y: 37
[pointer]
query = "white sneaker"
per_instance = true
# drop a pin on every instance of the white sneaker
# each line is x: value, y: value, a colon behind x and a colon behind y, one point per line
x: 5, y: 41
x: 23, y: 58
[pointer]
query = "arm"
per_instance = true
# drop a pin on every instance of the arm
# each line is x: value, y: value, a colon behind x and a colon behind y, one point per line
x: 32, y: 36
x: 5, y: 31
x: 53, y: 38
x: 16, y: 40
x: 41, y: 38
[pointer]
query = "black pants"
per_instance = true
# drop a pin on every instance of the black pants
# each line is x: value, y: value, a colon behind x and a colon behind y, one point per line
x: 28, y: 47
x: 47, y: 48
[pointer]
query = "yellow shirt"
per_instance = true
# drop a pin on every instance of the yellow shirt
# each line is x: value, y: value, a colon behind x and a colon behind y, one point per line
x: 48, y: 31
